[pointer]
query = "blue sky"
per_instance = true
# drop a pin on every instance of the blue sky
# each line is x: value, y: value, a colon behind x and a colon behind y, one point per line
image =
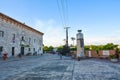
x: 98, y: 19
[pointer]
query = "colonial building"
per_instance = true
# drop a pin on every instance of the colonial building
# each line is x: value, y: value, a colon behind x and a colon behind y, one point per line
x: 17, y: 37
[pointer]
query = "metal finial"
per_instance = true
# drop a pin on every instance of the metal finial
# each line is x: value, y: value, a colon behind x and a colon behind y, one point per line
x: 79, y: 30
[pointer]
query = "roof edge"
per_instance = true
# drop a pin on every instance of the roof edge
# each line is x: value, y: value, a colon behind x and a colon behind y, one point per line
x: 21, y: 23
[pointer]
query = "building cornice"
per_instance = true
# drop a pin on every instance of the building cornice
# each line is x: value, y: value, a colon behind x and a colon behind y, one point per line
x: 11, y: 20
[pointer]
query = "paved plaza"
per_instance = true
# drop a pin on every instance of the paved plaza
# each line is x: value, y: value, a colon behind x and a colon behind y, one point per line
x: 51, y: 67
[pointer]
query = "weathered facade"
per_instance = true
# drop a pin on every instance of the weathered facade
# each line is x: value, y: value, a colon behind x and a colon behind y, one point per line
x: 16, y: 37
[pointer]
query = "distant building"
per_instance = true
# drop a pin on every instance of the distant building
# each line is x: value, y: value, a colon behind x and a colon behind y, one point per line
x: 17, y: 37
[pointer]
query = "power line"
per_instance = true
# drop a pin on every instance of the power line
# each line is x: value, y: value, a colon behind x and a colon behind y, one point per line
x: 60, y: 12
x: 67, y: 13
x: 63, y: 9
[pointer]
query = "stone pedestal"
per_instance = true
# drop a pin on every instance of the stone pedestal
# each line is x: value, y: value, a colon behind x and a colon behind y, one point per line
x: 80, y: 44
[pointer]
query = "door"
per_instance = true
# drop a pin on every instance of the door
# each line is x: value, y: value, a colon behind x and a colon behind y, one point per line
x: 13, y: 51
x: 22, y: 50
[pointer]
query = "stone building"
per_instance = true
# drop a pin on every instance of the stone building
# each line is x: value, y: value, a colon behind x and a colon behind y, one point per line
x: 17, y: 37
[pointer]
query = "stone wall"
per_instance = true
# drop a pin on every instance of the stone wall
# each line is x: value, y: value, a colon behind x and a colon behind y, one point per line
x: 100, y: 53
x: 13, y: 28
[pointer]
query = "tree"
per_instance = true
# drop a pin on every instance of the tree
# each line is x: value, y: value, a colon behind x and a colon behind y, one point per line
x: 86, y: 47
x: 109, y: 46
x: 93, y: 47
x: 51, y: 48
x: 60, y: 48
x: 73, y: 48
x: 100, y: 47
x: 45, y: 48
x: 65, y: 50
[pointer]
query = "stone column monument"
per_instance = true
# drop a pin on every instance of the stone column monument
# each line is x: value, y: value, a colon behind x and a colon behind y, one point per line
x: 80, y: 44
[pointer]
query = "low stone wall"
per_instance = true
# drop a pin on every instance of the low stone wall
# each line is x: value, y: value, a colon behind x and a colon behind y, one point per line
x: 74, y: 54
x: 100, y: 53
x: 95, y: 54
x: 106, y: 52
x: 91, y: 53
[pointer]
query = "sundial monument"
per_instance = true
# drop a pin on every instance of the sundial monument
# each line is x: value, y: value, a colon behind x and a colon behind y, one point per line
x: 80, y: 44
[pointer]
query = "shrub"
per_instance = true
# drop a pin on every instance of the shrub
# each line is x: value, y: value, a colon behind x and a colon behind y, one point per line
x: 113, y: 56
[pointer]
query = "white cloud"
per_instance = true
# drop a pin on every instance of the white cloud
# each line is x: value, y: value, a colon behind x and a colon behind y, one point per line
x: 53, y: 34
x: 102, y: 40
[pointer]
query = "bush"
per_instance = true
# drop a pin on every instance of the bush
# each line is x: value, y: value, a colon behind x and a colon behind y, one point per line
x: 113, y: 56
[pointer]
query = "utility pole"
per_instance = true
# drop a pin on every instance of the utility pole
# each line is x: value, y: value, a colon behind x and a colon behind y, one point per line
x: 67, y: 35
x: 72, y: 38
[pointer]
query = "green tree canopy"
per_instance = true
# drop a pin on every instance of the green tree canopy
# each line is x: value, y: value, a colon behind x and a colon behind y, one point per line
x: 73, y: 48
x: 109, y: 46
x: 60, y: 48
x: 51, y: 48
x: 86, y: 47
x: 45, y: 48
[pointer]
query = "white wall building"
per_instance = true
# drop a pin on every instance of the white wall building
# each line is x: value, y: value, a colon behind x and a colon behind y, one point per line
x: 16, y: 37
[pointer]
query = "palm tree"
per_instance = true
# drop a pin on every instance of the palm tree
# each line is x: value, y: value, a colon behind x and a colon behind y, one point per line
x: 72, y: 38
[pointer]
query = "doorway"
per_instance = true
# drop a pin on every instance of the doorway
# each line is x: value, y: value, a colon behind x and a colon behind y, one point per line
x: 13, y: 51
x: 22, y: 50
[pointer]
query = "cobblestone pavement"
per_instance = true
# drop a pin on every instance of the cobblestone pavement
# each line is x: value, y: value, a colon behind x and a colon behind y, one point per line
x: 51, y: 67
